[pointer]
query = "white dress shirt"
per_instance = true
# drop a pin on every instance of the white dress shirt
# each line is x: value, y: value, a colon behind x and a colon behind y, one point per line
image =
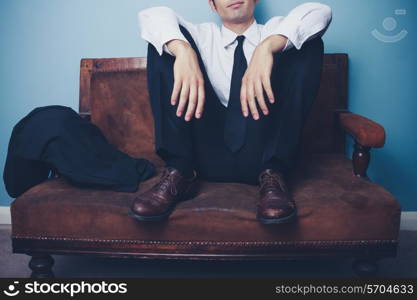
x: 160, y: 25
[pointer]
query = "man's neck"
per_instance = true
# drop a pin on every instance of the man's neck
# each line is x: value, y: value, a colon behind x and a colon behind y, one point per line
x: 239, y: 28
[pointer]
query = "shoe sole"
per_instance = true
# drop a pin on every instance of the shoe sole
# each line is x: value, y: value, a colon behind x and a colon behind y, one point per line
x: 150, y: 218
x: 189, y: 194
x: 278, y: 220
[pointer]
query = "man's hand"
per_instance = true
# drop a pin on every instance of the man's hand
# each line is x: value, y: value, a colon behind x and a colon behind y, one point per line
x: 257, y: 78
x: 188, y: 80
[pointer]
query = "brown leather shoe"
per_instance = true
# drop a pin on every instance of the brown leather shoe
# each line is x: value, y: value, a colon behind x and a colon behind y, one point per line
x: 159, y: 201
x: 275, y: 203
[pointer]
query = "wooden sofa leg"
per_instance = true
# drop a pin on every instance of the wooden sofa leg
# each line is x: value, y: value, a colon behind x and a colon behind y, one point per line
x: 41, y: 266
x: 361, y: 158
x: 365, y: 267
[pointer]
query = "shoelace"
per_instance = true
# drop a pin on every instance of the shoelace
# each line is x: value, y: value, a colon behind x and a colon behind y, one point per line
x: 166, y: 181
x: 270, y: 180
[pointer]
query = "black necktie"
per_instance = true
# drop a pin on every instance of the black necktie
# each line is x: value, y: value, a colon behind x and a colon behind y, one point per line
x: 235, y: 124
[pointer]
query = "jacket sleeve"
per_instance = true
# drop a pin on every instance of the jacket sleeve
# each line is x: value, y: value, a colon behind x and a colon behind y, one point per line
x: 303, y: 23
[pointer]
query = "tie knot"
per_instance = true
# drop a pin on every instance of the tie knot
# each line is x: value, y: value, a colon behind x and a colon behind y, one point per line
x: 240, y: 39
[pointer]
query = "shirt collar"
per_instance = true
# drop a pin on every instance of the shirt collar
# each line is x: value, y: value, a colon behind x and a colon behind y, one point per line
x: 252, y: 34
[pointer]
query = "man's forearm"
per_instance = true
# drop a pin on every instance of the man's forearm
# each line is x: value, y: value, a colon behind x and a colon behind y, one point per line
x: 178, y: 47
x: 274, y: 43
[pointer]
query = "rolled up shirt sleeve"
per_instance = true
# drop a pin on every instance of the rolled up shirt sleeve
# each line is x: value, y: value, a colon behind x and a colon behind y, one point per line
x: 303, y: 23
x: 159, y: 25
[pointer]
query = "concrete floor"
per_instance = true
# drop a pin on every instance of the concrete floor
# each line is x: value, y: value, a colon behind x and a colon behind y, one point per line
x: 16, y: 265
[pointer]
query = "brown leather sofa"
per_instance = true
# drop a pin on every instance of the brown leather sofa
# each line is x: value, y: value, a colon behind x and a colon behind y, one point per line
x: 341, y: 213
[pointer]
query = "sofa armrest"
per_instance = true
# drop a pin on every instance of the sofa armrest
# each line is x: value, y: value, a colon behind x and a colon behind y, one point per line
x: 365, y: 131
x: 367, y: 134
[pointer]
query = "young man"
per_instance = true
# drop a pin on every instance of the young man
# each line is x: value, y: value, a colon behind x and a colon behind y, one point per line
x: 229, y: 103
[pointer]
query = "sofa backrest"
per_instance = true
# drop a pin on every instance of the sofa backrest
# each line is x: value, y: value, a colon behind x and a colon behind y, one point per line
x: 114, y: 96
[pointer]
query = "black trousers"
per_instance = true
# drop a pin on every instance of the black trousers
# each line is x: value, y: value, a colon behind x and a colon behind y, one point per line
x: 272, y: 141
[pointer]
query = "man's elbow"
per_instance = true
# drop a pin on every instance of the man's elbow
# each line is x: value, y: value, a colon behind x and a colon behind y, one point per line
x: 325, y: 11
x: 328, y: 13
x: 155, y: 10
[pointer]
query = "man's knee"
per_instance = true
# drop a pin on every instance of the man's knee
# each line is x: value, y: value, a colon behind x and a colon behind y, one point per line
x: 308, y: 58
x: 189, y: 38
x: 311, y: 51
x: 314, y: 49
x: 186, y: 33
x: 313, y: 46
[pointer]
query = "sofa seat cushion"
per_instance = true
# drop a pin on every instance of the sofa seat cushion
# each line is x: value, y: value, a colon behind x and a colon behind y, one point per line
x: 334, y: 208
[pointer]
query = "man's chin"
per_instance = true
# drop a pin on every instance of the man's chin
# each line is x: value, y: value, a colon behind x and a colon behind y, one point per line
x: 237, y: 19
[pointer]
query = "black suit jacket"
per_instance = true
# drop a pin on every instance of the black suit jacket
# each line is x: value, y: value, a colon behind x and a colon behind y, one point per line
x: 56, y: 138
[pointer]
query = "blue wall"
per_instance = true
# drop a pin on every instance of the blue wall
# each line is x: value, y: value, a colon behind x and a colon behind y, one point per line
x: 43, y: 41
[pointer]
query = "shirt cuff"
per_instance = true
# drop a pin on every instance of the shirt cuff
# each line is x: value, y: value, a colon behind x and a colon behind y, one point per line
x: 292, y: 29
x: 160, y: 43
x: 288, y: 45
